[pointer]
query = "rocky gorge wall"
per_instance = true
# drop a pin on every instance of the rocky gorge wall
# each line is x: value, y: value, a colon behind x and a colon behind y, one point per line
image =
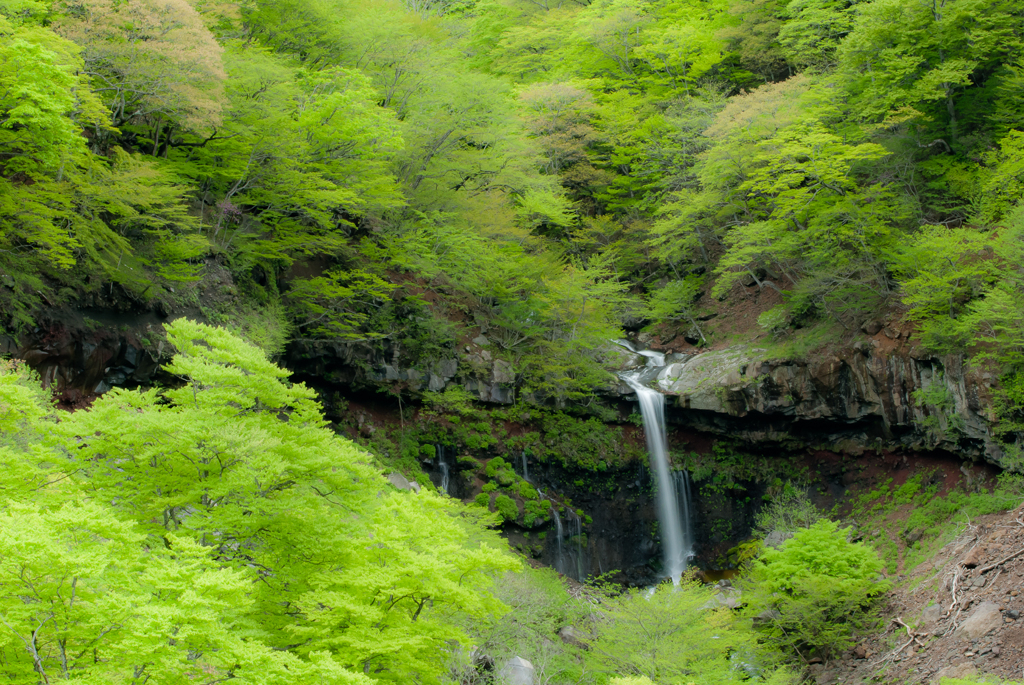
x: 855, y: 402
x: 856, y: 399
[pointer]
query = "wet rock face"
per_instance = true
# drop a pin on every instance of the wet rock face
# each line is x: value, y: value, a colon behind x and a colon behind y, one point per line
x: 79, y: 364
x: 858, y: 399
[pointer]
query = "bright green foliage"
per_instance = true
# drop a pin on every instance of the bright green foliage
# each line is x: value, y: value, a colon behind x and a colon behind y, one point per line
x: 539, y: 607
x: 910, y: 60
x: 788, y: 511
x: 675, y: 301
x: 669, y: 635
x: 507, y: 507
x: 409, y: 174
x: 820, y: 588
x: 237, y: 522
x: 814, y: 31
x: 333, y: 305
x: 942, y: 270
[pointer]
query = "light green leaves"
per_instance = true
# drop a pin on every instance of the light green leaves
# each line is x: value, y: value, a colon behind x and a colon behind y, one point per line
x: 816, y: 589
x: 222, y: 529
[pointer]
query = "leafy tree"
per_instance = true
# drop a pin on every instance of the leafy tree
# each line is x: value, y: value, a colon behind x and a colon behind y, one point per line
x: 754, y: 38
x: 675, y: 301
x: 815, y: 591
x: 668, y: 635
x: 155, y: 63
x: 789, y: 510
x: 814, y: 30
x: 242, y: 465
x: 914, y: 59
x: 941, y: 271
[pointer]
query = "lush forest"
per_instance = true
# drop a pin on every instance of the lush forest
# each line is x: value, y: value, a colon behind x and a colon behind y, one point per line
x: 396, y: 173
x: 386, y: 171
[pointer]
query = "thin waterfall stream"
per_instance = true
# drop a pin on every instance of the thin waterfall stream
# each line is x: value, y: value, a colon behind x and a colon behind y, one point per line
x: 443, y: 465
x: 569, y: 558
x: 676, y: 527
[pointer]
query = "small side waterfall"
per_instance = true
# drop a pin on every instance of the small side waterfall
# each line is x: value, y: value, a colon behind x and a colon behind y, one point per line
x: 576, y: 537
x: 526, y: 470
x: 560, y: 559
x: 443, y: 465
x: 682, y: 479
x: 673, y: 487
x: 569, y: 559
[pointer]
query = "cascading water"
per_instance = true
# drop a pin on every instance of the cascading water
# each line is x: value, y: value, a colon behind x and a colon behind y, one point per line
x: 576, y: 536
x: 526, y: 470
x: 673, y: 515
x: 682, y: 482
x: 569, y: 555
x: 443, y: 465
x: 560, y: 559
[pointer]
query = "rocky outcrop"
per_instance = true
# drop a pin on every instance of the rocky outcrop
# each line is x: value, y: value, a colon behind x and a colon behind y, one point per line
x: 344, y: 363
x: 79, y: 362
x: 518, y: 671
x: 856, y: 399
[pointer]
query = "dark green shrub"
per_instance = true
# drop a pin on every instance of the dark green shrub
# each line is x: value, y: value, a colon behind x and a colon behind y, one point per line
x: 507, y: 507
x: 536, y: 512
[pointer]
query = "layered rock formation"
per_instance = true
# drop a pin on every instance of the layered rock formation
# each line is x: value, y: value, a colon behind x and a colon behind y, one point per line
x: 858, y: 398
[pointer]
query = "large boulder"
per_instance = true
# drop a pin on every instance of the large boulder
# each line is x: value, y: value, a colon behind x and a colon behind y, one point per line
x: 958, y: 672
x: 986, y: 617
x: 570, y: 636
x: 931, y: 615
x: 775, y: 538
x: 518, y: 671
x: 403, y: 483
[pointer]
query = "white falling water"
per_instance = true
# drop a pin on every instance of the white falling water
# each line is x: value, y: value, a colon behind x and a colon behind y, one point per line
x: 443, y: 465
x: 674, y: 541
x: 560, y: 559
x: 682, y: 479
x: 576, y: 536
x: 526, y: 470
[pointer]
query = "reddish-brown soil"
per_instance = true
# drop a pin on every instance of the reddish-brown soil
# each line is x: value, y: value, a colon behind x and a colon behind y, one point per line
x: 892, y: 656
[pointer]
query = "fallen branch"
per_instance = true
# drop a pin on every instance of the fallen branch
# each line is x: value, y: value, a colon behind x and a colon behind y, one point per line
x: 993, y: 583
x: 899, y: 650
x: 1000, y: 562
x: 952, y: 592
x: 911, y: 633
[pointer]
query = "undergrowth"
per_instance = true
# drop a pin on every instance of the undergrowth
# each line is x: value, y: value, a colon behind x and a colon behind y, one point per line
x: 929, y: 520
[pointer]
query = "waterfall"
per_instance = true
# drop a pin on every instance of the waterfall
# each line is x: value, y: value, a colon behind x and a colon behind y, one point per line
x: 443, y: 465
x: 560, y: 559
x: 676, y: 543
x: 682, y: 482
x: 526, y: 471
x: 576, y: 534
x: 654, y: 358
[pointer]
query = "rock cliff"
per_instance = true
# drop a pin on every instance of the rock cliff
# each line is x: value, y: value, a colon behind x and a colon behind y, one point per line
x: 859, y: 398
